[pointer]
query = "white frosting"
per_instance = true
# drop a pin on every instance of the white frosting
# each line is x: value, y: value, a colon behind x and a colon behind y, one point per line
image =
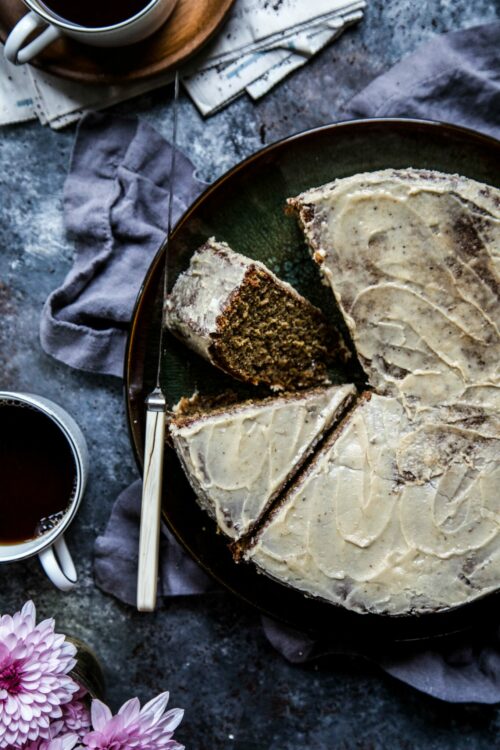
x: 201, y: 294
x: 400, y: 511
x: 238, y: 460
x: 413, y: 260
x: 395, y: 515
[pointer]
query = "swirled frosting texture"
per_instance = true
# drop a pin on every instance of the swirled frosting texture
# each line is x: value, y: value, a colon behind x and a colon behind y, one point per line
x: 395, y: 515
x: 238, y: 460
x: 401, y: 511
x: 413, y: 259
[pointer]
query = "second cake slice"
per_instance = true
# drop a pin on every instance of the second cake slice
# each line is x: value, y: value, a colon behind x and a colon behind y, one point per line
x: 239, y: 459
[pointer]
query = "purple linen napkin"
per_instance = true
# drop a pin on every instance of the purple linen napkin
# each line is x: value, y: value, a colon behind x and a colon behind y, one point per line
x: 115, y: 208
x: 467, y: 671
x: 115, y: 204
x: 116, y: 554
x: 453, y: 78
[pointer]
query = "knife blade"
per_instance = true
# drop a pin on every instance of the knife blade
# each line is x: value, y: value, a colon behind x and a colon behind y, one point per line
x: 154, y: 444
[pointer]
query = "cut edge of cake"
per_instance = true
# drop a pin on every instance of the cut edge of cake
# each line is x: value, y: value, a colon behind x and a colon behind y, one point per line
x: 202, y: 463
x: 300, y: 477
x: 443, y: 579
x: 224, y: 307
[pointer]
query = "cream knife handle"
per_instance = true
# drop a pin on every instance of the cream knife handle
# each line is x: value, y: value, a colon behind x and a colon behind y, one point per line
x: 149, y: 539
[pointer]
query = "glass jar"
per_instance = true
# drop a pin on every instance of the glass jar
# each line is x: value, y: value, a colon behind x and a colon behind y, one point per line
x: 87, y: 671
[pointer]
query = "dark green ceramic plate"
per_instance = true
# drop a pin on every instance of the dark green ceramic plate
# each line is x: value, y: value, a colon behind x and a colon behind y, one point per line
x: 245, y: 208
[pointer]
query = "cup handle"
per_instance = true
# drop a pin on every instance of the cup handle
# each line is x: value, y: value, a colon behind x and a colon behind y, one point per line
x: 14, y: 50
x: 59, y: 566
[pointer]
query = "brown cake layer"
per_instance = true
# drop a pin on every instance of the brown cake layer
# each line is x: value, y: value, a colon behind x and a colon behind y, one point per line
x: 250, y: 324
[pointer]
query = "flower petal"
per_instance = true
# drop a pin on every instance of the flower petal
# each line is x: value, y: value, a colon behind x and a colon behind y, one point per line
x: 100, y: 714
x: 156, y: 706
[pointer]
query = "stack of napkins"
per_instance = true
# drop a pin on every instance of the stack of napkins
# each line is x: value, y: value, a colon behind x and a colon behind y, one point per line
x: 262, y: 42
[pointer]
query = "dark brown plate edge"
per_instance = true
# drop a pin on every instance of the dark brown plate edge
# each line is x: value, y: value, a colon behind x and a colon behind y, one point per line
x: 434, y: 623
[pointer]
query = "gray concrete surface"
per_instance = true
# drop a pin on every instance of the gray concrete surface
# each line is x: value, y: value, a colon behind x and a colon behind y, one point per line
x: 209, y: 651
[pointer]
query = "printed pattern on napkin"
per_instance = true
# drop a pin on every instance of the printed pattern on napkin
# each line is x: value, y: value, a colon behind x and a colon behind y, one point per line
x: 262, y: 43
x: 16, y: 94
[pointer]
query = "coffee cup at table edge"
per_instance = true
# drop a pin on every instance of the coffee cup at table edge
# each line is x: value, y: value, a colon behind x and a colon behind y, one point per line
x: 132, y: 30
x: 51, y: 547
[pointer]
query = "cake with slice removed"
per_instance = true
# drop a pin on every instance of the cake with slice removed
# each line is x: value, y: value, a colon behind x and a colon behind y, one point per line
x: 239, y: 316
x: 239, y: 458
x: 394, y: 515
x: 399, y: 512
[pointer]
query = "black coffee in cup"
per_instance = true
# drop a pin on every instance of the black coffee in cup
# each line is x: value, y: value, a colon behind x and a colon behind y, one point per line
x: 37, y: 473
x: 95, y: 13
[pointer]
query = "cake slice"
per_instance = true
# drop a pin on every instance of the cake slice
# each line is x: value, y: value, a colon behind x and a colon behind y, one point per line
x: 239, y: 458
x: 413, y: 259
x: 395, y: 514
x: 243, y: 319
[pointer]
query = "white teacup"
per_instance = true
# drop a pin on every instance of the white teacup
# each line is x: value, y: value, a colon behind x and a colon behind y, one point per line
x: 50, y: 546
x: 51, y: 26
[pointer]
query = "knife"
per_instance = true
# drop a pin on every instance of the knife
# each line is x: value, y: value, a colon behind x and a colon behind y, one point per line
x: 156, y: 408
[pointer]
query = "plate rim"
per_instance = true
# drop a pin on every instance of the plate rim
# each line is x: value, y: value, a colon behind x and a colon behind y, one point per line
x: 432, y: 125
x: 280, y: 143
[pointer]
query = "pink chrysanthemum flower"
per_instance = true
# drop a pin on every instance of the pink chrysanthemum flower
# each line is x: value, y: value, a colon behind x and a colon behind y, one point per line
x: 65, y: 742
x: 34, y: 681
x: 76, y: 715
x: 149, y: 728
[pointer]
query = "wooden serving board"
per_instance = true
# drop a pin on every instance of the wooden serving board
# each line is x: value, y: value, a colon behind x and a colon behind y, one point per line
x: 191, y: 25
